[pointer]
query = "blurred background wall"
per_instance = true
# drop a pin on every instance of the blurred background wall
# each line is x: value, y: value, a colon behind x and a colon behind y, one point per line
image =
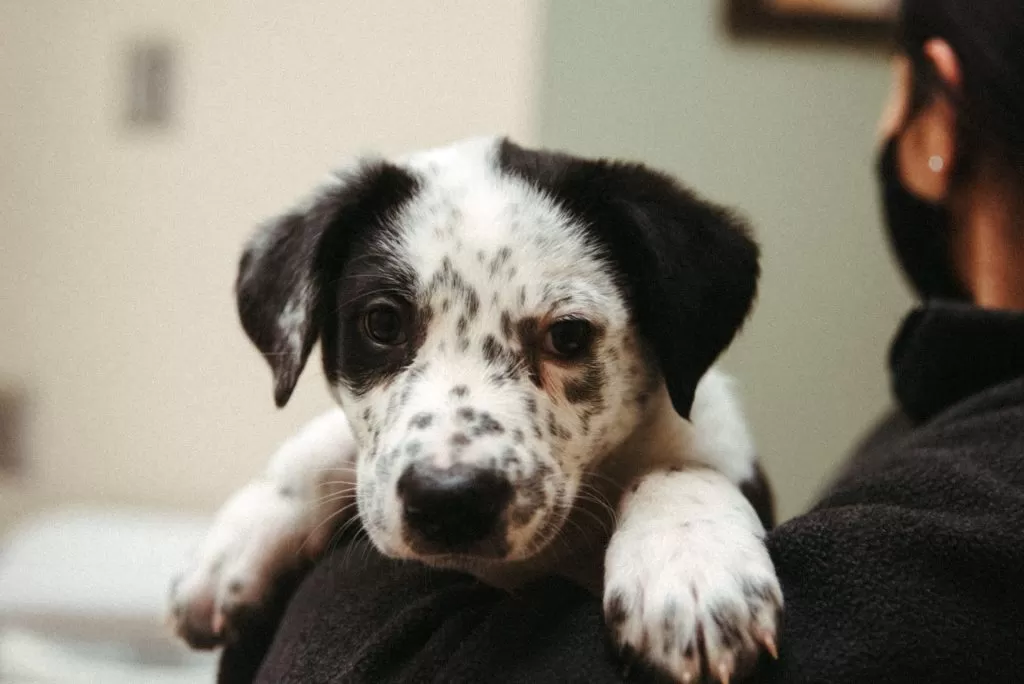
x: 119, y: 247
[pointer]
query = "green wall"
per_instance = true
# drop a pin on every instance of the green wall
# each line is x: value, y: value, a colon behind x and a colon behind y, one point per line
x: 785, y: 132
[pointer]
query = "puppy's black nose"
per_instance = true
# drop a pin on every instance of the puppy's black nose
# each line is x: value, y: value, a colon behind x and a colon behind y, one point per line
x: 452, y: 508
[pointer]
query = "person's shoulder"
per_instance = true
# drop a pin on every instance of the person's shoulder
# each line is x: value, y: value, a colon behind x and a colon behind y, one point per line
x: 908, y: 570
x: 970, y: 455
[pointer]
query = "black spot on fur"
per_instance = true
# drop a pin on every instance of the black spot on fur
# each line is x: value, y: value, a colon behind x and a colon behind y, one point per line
x: 509, y: 460
x: 487, y: 425
x: 406, y: 393
x: 517, y: 436
x: 492, y: 350
x: 460, y: 391
x: 453, y: 286
x: 557, y: 430
x: 585, y: 419
x: 499, y: 260
x: 588, y: 387
x: 506, y: 325
x: 462, y: 326
x: 460, y: 439
x: 421, y: 421
x: 727, y: 622
x: 507, y: 362
x: 669, y: 621
x: 465, y: 413
x: 532, y: 342
x: 616, y: 611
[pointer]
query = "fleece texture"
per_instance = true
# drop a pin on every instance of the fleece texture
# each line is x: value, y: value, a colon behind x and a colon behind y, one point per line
x: 910, y: 569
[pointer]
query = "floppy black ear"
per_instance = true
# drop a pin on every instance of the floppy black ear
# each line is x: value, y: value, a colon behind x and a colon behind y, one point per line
x: 289, y: 262
x: 689, y: 268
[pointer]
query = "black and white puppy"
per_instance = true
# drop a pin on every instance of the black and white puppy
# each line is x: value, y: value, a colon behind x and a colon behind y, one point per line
x: 521, y: 345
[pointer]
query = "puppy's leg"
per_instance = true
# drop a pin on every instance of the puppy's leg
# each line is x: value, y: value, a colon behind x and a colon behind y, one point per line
x: 267, y: 533
x: 689, y: 585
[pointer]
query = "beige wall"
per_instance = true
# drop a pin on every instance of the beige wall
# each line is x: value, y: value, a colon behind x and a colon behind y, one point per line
x: 119, y: 248
x: 785, y: 132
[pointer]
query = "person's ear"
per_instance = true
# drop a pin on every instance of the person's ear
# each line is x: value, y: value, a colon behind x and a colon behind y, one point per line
x: 689, y: 268
x: 289, y: 262
x: 928, y: 142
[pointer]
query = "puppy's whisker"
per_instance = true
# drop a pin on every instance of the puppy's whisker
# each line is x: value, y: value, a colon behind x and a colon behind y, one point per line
x: 332, y: 516
x: 331, y: 498
x: 339, y: 535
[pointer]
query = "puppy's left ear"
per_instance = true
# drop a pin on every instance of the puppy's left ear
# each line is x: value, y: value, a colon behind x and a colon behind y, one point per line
x: 690, y: 268
x: 290, y: 262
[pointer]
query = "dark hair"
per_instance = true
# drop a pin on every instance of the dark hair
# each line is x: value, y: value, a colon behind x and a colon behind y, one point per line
x: 988, y: 39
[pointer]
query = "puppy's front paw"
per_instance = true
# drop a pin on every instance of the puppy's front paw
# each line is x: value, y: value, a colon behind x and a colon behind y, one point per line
x: 693, y: 600
x: 252, y: 552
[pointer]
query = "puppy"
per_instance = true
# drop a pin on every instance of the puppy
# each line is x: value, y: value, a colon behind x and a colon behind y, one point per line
x: 521, y: 346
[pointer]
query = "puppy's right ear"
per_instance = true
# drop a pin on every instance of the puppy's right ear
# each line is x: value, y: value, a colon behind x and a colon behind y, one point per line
x: 288, y: 262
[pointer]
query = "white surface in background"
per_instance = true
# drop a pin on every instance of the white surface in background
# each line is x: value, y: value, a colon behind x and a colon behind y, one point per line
x: 26, y: 657
x: 83, y: 597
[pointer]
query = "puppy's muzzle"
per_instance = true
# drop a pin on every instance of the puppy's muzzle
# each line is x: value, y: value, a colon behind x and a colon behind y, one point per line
x: 458, y: 509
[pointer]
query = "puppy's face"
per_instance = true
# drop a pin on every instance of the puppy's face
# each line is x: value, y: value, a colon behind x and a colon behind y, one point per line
x: 486, y: 357
x: 484, y: 338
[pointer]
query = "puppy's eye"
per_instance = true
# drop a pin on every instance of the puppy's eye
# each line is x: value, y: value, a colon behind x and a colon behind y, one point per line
x: 569, y: 339
x: 383, y: 324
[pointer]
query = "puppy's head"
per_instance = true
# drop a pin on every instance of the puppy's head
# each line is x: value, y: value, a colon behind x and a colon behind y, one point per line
x: 493, y: 321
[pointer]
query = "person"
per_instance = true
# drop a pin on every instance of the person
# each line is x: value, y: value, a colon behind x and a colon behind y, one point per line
x: 911, y: 568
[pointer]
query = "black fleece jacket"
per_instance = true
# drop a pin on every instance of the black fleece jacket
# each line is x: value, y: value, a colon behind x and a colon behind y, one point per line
x: 911, y: 569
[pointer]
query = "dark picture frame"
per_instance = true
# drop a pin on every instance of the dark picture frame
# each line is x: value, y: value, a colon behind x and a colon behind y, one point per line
x: 776, y: 19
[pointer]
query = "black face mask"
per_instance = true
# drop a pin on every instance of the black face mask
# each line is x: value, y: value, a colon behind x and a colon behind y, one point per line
x: 919, y: 234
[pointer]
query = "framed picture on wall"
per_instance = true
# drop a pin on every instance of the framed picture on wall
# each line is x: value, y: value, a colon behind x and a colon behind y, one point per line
x: 851, y: 19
